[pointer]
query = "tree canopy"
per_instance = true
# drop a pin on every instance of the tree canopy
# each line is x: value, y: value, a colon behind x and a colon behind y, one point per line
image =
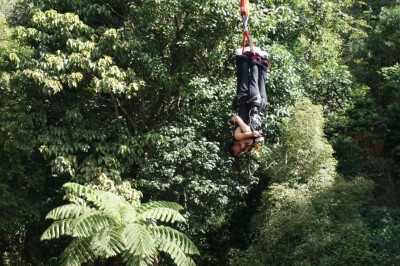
x: 126, y: 102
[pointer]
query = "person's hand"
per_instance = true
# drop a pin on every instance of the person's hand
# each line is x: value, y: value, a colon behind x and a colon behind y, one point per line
x: 256, y: 134
x: 234, y: 119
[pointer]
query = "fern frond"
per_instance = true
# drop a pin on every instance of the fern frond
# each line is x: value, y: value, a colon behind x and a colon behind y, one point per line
x: 132, y: 260
x: 117, y: 206
x: 177, y: 254
x: 77, y: 253
x: 113, y: 226
x: 191, y: 262
x: 90, y: 223
x: 163, y: 215
x: 86, y: 193
x: 113, y: 199
x: 67, y: 211
x: 169, y: 234
x: 139, y: 241
x: 57, y: 229
x: 109, y: 242
x: 158, y: 204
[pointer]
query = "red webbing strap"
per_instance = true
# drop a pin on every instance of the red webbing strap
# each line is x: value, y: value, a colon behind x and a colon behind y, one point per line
x: 246, y: 35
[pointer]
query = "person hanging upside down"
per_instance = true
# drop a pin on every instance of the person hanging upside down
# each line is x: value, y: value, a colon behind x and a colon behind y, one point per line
x: 250, y: 100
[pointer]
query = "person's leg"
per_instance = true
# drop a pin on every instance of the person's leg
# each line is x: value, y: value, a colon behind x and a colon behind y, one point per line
x: 257, y: 93
x: 262, y: 75
x: 242, y: 89
x: 263, y: 66
x: 242, y: 74
x: 254, y: 102
x: 245, y: 84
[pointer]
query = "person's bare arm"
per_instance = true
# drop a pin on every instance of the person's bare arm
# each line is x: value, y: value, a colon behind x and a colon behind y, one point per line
x: 242, y: 125
x: 239, y: 135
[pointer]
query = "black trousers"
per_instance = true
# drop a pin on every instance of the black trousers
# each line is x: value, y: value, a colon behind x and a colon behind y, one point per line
x: 250, y: 90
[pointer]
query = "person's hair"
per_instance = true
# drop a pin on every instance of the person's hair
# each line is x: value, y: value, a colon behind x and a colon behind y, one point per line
x: 229, y: 148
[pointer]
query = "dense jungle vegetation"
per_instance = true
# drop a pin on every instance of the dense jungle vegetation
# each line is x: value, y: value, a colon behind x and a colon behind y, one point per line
x: 120, y: 108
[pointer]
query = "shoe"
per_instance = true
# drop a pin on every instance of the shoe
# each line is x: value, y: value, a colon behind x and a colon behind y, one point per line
x: 247, y: 50
x: 239, y: 50
x: 264, y: 55
x: 261, y: 62
x: 257, y: 50
x: 264, y: 59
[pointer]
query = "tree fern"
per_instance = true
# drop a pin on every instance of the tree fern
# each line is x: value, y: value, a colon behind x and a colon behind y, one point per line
x: 173, y: 236
x: 104, y: 225
x: 57, y: 229
x: 116, y: 206
x: 132, y: 260
x: 176, y: 253
x: 109, y: 242
x: 90, y: 223
x: 77, y: 252
x: 83, y: 192
x: 162, y: 214
x: 158, y: 204
x: 68, y: 211
x: 139, y: 240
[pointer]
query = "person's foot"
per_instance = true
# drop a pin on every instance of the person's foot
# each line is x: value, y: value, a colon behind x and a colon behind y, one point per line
x: 248, y: 51
x: 239, y: 50
x: 264, y: 55
x: 264, y: 60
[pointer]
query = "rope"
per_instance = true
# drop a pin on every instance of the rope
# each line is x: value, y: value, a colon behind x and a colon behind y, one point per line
x: 246, y: 35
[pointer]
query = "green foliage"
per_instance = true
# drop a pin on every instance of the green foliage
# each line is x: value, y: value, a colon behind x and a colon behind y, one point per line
x: 390, y: 90
x: 311, y: 32
x: 361, y: 118
x: 378, y: 48
x: 308, y: 215
x: 197, y: 174
x: 385, y: 38
x: 24, y: 185
x: 6, y: 8
x: 303, y: 152
x: 86, y: 68
x: 145, y: 66
x: 104, y: 225
x: 384, y: 223
x: 107, y: 77
x: 121, y: 94
x: 284, y: 80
